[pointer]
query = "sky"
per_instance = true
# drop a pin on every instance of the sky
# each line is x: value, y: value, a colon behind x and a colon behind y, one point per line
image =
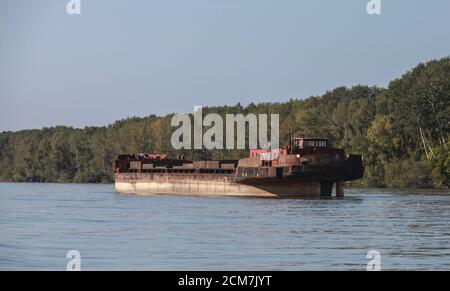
x: 121, y: 58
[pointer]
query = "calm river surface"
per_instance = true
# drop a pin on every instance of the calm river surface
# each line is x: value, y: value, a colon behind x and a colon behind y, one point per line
x: 40, y: 223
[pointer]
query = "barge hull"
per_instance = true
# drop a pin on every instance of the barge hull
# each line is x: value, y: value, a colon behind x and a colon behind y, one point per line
x: 214, y: 185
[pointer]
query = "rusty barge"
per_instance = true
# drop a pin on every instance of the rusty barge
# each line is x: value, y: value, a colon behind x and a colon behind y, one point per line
x: 307, y: 167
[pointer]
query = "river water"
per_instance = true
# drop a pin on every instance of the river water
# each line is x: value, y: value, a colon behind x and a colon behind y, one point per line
x: 40, y: 223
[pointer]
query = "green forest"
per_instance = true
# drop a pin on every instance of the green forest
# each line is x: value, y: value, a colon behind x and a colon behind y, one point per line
x: 402, y: 132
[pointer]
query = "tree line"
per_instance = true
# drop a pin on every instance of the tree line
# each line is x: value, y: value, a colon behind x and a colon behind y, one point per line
x: 402, y: 131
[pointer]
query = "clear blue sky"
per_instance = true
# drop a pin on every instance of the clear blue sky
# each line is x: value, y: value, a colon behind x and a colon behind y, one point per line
x: 135, y: 58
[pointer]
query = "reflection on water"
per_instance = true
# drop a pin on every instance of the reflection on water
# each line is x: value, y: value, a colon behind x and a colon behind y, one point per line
x: 39, y: 223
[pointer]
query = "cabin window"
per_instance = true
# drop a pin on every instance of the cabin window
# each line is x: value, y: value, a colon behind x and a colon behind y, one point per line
x: 310, y: 143
x: 316, y: 143
x: 300, y: 143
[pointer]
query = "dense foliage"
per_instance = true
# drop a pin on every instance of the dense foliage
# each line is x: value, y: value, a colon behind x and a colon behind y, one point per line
x: 402, y: 132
